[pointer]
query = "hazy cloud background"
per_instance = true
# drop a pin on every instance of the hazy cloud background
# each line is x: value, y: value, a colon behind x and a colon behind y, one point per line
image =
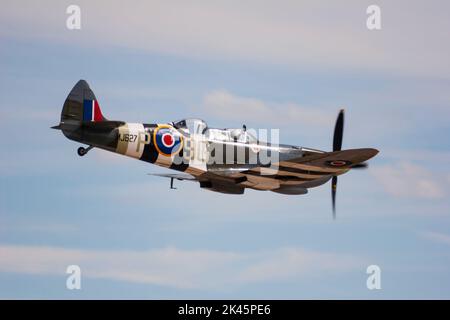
x: 289, y: 65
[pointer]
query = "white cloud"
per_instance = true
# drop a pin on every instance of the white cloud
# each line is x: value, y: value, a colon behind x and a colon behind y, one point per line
x: 437, y: 237
x: 176, y: 267
x: 409, y: 180
x: 291, y: 33
x: 288, y: 263
x: 225, y: 105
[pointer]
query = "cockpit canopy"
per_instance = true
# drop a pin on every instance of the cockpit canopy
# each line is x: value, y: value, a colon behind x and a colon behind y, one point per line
x: 191, y: 125
x: 237, y: 135
x: 198, y: 126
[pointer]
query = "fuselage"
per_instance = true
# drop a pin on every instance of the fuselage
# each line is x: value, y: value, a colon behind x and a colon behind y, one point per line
x: 176, y: 148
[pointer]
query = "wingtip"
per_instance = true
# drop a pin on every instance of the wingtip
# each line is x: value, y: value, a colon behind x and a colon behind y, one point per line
x: 369, y: 152
x: 374, y: 151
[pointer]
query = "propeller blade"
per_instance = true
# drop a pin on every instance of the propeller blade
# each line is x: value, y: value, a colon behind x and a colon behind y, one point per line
x: 333, y: 195
x: 362, y: 165
x: 338, y: 131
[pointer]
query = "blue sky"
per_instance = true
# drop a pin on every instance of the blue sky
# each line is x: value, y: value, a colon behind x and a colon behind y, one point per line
x: 296, y: 63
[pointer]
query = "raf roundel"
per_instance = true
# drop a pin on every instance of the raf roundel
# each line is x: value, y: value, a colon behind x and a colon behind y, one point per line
x: 338, y: 163
x: 167, y: 140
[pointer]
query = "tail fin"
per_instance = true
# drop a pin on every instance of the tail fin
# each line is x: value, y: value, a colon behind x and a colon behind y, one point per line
x: 81, y: 106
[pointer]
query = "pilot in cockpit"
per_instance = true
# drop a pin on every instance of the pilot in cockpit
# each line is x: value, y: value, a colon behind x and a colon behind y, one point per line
x: 241, y: 135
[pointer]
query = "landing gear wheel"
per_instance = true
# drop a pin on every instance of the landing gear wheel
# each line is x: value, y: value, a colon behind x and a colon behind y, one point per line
x: 81, y: 151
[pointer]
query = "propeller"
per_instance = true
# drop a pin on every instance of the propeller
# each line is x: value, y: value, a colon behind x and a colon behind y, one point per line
x: 337, y: 145
x: 333, y: 195
x: 338, y: 131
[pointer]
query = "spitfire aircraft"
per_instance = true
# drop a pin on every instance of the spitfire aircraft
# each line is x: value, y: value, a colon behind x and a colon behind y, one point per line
x: 221, y: 160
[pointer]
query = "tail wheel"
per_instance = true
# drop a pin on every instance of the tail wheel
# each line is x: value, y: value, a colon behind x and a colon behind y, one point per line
x: 81, y: 151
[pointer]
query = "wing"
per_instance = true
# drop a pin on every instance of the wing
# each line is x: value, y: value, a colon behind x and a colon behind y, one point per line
x: 289, y: 176
x: 209, y: 181
x: 307, y: 171
x: 328, y: 162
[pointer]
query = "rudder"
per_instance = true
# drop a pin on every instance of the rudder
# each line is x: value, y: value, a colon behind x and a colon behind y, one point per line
x: 81, y: 105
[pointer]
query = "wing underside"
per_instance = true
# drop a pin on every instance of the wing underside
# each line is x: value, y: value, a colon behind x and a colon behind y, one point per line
x: 291, y: 176
x: 294, y: 176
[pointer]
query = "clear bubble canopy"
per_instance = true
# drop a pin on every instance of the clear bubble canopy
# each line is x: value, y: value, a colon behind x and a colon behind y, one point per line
x: 198, y: 126
x: 193, y: 125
